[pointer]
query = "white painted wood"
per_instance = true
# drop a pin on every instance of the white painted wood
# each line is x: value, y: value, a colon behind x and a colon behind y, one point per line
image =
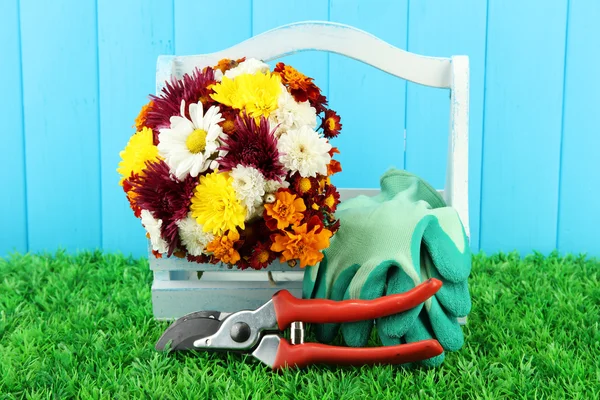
x: 457, y: 174
x: 176, y: 289
x: 171, y: 300
x: 326, y: 36
x: 292, y: 275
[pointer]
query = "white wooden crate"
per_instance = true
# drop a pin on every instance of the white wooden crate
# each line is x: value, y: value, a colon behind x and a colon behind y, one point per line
x: 176, y: 289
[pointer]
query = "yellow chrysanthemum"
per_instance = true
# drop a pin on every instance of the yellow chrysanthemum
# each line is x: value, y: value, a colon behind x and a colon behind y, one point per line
x: 139, y: 149
x: 215, y: 205
x: 257, y: 93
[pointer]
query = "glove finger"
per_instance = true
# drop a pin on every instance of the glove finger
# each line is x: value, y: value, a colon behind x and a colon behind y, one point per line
x: 447, y: 245
x: 356, y: 334
x: 445, y: 327
x: 326, y: 333
x: 367, y: 284
x: 395, y: 181
x: 393, y: 327
x: 421, y: 330
x: 312, y: 275
x: 454, y: 297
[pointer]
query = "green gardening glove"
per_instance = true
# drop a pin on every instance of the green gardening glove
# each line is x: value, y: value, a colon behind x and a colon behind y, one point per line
x: 330, y: 280
x: 378, y: 251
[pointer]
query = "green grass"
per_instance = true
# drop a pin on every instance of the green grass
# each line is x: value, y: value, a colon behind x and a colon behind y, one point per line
x: 82, y: 327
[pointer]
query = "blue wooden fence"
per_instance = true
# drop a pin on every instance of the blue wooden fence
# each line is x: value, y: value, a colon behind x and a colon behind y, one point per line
x: 75, y: 73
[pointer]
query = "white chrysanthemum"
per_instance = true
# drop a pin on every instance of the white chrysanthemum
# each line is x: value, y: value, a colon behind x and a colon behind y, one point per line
x: 188, y: 146
x: 291, y: 114
x: 304, y: 151
x: 152, y: 226
x: 271, y: 186
x: 193, y: 236
x: 249, y: 186
x: 249, y: 66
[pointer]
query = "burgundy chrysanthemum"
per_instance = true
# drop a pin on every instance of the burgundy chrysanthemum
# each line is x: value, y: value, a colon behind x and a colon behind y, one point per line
x: 191, y: 88
x: 166, y: 197
x: 252, y: 145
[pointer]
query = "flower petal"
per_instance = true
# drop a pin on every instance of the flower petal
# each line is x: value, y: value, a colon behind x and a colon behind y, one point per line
x: 196, y: 113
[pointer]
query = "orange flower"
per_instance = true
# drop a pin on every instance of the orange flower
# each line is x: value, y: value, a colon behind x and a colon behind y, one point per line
x: 140, y: 121
x: 226, y: 64
x: 286, y: 210
x: 292, y: 77
x: 229, y: 115
x: 301, y: 87
x: 224, y: 247
x: 302, y: 244
x: 334, y: 166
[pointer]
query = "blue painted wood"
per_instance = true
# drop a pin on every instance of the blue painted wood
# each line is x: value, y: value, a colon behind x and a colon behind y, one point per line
x: 197, y: 32
x: 74, y: 202
x: 578, y: 217
x: 460, y: 30
x: 131, y: 35
x: 267, y: 15
x: 521, y: 145
x: 60, y: 96
x: 371, y: 103
x: 13, y: 213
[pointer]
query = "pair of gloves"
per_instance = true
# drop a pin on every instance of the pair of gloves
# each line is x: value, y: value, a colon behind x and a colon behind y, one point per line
x: 389, y: 244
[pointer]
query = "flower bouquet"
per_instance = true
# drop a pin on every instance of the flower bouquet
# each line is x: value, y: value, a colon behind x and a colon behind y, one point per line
x: 232, y: 164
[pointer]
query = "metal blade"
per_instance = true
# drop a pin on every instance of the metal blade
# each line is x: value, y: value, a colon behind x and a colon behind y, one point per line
x: 189, y: 328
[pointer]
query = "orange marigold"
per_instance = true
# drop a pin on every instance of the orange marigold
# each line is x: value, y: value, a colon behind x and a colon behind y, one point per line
x: 226, y: 64
x: 229, y: 115
x: 224, y: 247
x: 292, y: 77
x: 140, y: 121
x: 302, y: 88
x: 286, y: 210
x: 302, y: 244
x: 334, y: 166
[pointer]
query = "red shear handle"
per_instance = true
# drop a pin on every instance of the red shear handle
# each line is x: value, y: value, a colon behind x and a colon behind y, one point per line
x: 321, y: 311
x: 301, y: 355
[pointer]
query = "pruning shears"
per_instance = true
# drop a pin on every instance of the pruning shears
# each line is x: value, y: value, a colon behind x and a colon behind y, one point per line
x: 259, y: 331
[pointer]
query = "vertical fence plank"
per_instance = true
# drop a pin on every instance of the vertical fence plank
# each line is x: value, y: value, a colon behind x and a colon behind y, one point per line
x: 60, y: 86
x: 131, y: 35
x: 578, y: 215
x: 459, y: 30
x: 268, y: 15
x: 13, y: 235
x: 521, y: 145
x: 371, y: 103
x: 198, y: 31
